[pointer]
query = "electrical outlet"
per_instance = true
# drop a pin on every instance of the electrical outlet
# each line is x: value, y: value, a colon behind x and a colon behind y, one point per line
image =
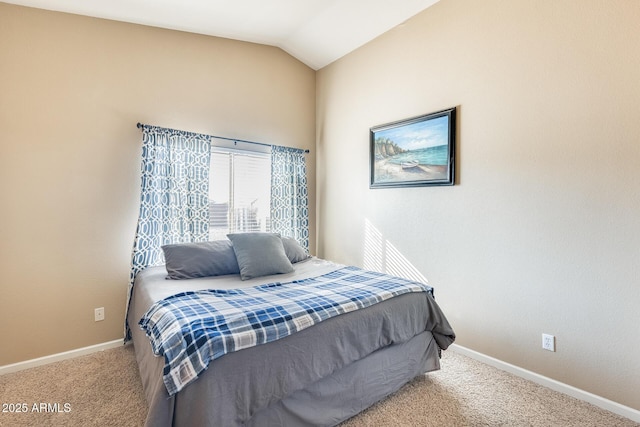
x: 548, y: 342
x: 99, y: 314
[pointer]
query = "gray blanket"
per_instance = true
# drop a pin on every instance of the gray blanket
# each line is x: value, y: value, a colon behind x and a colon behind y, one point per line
x: 308, y: 378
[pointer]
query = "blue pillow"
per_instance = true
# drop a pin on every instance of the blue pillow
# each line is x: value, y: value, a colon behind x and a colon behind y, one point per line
x: 259, y: 254
x: 294, y: 251
x: 191, y: 260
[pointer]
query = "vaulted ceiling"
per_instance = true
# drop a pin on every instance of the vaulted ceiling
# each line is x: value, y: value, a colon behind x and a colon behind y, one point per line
x: 317, y: 32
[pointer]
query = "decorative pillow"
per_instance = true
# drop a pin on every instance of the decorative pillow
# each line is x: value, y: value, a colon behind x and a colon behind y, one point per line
x: 294, y: 251
x: 191, y: 260
x: 260, y: 254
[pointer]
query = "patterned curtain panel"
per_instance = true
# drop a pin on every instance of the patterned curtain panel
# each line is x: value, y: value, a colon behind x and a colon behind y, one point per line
x: 289, y: 196
x: 174, y: 202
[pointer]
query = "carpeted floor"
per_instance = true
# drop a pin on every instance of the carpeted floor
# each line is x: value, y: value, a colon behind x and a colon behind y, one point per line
x: 103, y: 389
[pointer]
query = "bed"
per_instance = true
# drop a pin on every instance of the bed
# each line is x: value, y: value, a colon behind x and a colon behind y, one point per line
x: 318, y: 376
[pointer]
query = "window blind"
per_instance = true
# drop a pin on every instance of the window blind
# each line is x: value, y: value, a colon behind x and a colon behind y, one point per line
x: 239, y: 192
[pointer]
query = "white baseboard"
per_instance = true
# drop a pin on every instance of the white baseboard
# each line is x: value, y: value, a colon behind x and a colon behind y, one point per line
x: 15, y: 367
x: 594, y: 399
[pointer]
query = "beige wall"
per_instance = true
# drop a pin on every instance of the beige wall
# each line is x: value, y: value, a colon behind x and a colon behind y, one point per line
x: 71, y: 92
x: 541, y: 232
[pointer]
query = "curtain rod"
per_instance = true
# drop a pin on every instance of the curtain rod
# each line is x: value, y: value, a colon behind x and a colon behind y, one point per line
x: 235, y: 140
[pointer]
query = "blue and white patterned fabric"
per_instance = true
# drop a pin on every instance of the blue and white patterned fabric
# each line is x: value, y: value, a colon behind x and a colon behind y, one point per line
x: 174, y: 199
x: 289, y: 195
x: 191, y: 329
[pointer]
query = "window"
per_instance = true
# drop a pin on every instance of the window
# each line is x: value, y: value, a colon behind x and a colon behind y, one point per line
x: 239, y: 192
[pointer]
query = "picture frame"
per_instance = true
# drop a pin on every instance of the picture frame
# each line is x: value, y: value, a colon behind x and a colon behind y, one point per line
x: 414, y: 152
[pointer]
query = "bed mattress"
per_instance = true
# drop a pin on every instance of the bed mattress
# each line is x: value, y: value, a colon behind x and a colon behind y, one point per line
x: 318, y: 376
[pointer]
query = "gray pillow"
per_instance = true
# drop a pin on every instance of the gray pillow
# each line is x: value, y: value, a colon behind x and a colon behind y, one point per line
x: 260, y: 254
x: 191, y: 260
x: 294, y: 251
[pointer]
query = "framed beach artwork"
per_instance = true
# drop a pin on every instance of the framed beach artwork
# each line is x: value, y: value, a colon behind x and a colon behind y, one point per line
x: 414, y: 152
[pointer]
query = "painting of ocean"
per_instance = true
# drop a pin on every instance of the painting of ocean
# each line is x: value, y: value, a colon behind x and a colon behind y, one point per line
x: 414, y: 152
x: 438, y: 155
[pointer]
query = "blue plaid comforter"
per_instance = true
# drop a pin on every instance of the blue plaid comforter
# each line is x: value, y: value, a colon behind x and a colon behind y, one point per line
x: 191, y: 329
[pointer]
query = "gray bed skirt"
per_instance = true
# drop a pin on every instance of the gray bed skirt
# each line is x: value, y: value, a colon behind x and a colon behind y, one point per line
x: 354, y: 388
x: 326, y: 402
